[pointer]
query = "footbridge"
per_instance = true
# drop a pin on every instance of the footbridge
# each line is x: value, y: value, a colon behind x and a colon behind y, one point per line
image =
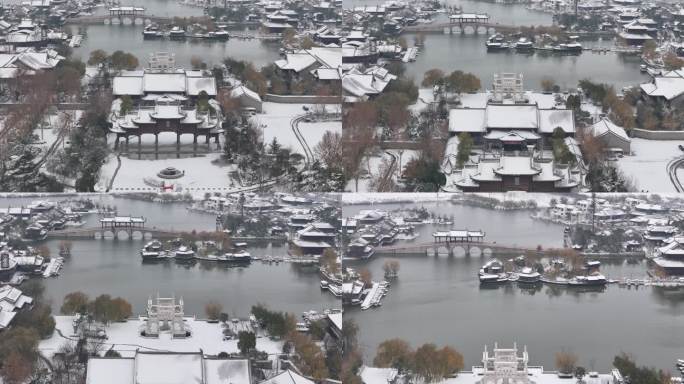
x: 466, y: 248
x: 100, y: 233
x: 464, y: 23
x: 122, y: 16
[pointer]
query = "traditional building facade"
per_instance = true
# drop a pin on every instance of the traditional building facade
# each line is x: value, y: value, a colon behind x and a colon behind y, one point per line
x: 513, y: 137
x: 163, y: 98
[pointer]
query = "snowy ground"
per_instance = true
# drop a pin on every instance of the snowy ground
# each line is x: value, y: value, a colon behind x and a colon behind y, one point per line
x: 370, y: 198
x: 313, y: 132
x: 275, y: 122
x: 372, y: 164
x: 125, y: 338
x: 205, y: 173
x: 647, y: 166
x: 200, y: 174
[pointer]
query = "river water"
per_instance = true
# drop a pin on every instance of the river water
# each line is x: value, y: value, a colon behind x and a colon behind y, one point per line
x: 468, y: 53
x: 129, y: 38
x: 447, y: 52
x: 439, y: 300
x: 114, y: 267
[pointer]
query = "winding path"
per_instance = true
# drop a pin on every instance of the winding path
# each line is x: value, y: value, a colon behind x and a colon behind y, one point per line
x: 385, y: 182
x: 672, y: 167
x: 294, y: 124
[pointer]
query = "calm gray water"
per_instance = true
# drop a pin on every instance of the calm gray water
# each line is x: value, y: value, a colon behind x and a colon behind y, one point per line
x: 510, y: 228
x: 439, y: 300
x: 514, y: 14
x: 115, y: 267
x: 468, y: 53
x: 129, y: 38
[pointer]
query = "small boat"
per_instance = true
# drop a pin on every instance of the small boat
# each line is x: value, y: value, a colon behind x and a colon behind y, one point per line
x: 493, y: 266
x: 324, y: 284
x: 220, y: 34
x: 237, y: 257
x: 176, y: 33
x: 152, y: 32
x: 523, y: 44
x: 496, y: 43
x: 184, y: 253
x: 336, y: 290
x: 151, y: 251
x: 529, y: 276
x: 593, y: 280
x: 568, y: 48
x: 488, y: 278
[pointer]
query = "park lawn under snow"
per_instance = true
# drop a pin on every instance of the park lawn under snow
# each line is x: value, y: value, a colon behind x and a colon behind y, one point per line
x: 371, y: 164
x: 313, y: 132
x: 275, y: 122
x: 200, y: 173
x: 125, y: 339
x: 647, y: 166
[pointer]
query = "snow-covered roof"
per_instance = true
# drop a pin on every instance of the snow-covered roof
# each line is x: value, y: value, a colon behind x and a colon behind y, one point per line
x: 242, y: 90
x: 467, y: 120
x: 510, y: 116
x: 110, y: 371
x: 227, y: 371
x: 516, y: 166
x: 520, y: 135
x: 336, y: 319
x: 164, y: 82
x: 167, y: 368
x: 288, y: 377
x: 11, y: 300
x: 127, y: 85
x: 197, y: 84
x: 669, y: 87
x: 296, y: 62
x: 605, y: 127
x: 30, y: 59
x: 550, y: 119
x: 327, y: 73
x: 327, y: 57
x: 137, y: 83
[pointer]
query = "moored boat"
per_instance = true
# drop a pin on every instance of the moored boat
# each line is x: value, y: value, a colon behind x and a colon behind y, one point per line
x: 568, y: 48
x: 176, y: 33
x: 593, y: 280
x: 237, y: 257
x: 151, y: 251
x: 493, y: 273
x: 184, y: 253
x: 529, y: 276
x: 523, y: 44
x: 496, y: 43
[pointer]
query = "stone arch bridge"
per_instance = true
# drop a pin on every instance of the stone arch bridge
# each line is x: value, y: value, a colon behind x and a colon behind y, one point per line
x: 115, y: 233
x: 474, y: 249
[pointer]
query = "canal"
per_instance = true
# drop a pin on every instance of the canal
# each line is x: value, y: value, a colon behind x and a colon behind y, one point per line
x: 439, y: 300
x: 115, y: 267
